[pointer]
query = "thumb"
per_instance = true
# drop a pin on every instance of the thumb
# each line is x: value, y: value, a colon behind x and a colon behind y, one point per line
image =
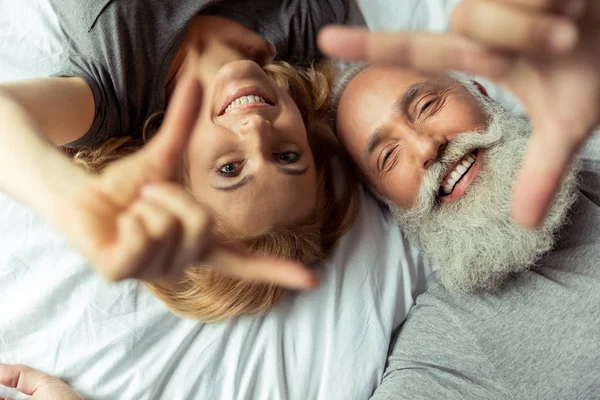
x: 549, y: 155
x: 22, y: 378
x: 420, y: 50
x: 166, y: 150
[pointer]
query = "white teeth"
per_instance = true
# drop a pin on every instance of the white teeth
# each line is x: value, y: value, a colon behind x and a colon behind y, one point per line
x: 244, y: 100
x: 459, y: 171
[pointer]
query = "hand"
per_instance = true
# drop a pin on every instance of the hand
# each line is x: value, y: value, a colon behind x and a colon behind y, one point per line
x: 136, y: 221
x: 561, y: 90
x: 36, y: 384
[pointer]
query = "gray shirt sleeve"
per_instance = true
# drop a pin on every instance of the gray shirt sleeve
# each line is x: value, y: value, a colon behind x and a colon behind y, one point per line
x: 433, y: 358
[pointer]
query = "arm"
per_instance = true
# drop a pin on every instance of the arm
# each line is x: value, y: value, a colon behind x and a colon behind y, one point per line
x: 63, y: 108
x: 33, y: 170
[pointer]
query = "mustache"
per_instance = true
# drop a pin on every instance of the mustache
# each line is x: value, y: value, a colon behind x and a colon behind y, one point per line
x: 463, y: 144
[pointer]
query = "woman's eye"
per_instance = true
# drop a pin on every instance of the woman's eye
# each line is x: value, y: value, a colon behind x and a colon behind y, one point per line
x: 229, y: 170
x: 288, y: 157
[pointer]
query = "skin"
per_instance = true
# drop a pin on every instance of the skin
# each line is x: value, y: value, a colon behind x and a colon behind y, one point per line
x: 35, y: 383
x: 412, y: 137
x: 265, y: 149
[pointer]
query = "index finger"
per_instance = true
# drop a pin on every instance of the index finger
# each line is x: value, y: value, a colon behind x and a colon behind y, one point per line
x: 178, y: 125
x: 284, y: 273
x: 419, y: 50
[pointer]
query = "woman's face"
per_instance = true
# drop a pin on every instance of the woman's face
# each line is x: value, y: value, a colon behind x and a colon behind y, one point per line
x: 249, y: 159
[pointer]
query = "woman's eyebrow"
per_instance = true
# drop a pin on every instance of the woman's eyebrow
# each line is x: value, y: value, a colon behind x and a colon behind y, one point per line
x: 292, y: 171
x: 237, y: 185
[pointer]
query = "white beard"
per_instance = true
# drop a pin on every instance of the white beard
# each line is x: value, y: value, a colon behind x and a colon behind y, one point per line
x: 473, y: 241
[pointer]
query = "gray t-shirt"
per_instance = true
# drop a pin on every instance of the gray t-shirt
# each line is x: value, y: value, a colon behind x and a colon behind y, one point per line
x: 538, y: 338
x: 124, y: 48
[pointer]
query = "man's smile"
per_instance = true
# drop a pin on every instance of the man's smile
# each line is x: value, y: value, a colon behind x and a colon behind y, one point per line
x: 460, y: 175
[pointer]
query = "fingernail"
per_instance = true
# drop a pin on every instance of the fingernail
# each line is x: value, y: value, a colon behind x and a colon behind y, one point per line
x: 563, y: 38
x: 574, y: 8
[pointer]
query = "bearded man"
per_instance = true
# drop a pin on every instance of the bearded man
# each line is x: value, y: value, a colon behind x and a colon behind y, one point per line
x: 511, y: 312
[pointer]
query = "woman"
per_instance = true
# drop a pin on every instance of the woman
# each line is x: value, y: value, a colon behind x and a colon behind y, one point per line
x: 249, y: 160
x: 128, y: 59
x: 208, y: 295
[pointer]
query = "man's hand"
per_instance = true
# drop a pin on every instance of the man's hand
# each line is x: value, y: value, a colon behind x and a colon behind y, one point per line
x: 136, y: 221
x: 538, y: 49
x: 35, y: 383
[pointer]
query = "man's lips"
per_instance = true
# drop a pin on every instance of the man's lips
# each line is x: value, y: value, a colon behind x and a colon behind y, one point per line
x: 461, y: 186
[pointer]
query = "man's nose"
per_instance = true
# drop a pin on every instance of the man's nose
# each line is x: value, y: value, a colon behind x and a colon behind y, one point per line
x: 427, y: 148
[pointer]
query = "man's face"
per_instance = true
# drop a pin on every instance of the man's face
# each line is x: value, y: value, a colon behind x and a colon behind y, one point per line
x: 445, y: 161
x: 395, y: 123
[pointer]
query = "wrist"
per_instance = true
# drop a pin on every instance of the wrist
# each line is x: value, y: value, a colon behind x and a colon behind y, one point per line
x: 59, y: 182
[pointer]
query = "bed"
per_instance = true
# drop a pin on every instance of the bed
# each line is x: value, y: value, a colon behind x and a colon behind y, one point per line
x: 115, y: 341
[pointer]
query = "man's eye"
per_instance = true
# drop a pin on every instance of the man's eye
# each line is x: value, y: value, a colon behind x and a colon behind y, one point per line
x: 387, y: 155
x: 288, y: 157
x: 427, y: 105
x: 229, y: 170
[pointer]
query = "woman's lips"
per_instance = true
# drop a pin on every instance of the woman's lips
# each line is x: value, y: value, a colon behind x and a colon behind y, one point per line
x: 247, y: 91
x: 465, y: 181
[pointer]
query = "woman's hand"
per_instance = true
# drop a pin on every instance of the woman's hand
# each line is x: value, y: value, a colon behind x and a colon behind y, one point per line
x: 35, y: 383
x: 136, y: 221
x: 539, y: 49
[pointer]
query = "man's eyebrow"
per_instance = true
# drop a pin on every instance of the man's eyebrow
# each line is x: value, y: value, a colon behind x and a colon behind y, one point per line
x: 415, y: 90
x: 291, y: 171
x: 374, y: 141
x: 236, y: 186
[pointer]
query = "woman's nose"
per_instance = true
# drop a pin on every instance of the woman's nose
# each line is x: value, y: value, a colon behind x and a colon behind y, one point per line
x: 254, y: 125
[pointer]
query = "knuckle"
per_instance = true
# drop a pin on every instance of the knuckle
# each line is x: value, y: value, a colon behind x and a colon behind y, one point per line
x: 535, y: 32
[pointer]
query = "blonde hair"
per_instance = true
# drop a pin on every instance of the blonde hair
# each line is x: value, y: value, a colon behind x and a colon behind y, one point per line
x: 205, y: 293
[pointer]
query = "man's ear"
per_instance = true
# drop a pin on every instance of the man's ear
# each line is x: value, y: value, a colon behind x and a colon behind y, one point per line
x: 481, y: 88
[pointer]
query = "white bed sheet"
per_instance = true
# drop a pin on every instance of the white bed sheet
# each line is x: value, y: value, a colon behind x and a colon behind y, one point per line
x: 115, y: 341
